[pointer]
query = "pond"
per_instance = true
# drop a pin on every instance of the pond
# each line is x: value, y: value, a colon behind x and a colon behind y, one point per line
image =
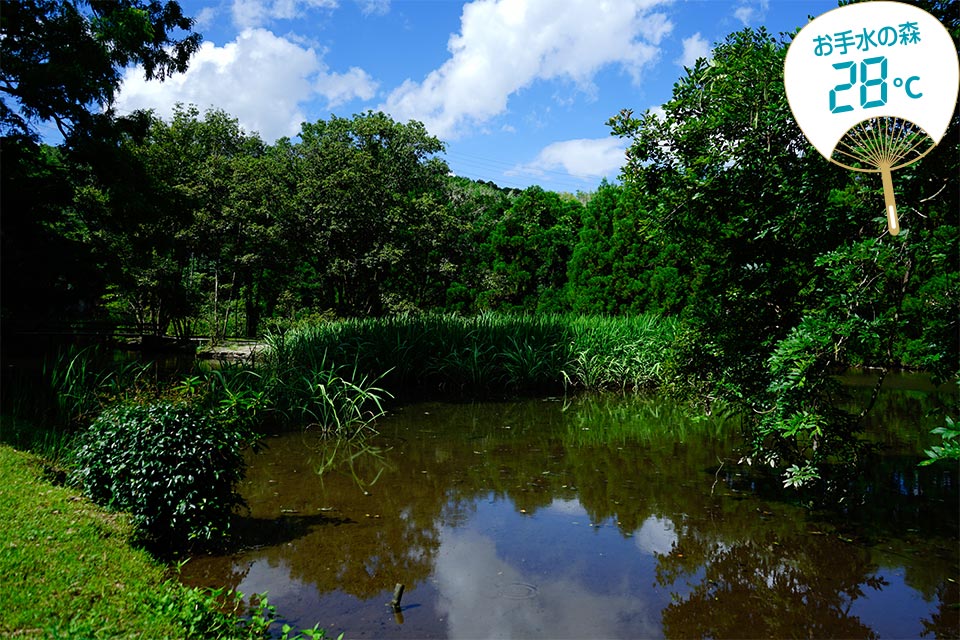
x: 594, y: 517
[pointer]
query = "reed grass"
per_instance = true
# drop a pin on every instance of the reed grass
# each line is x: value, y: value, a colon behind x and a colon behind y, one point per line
x: 84, y: 380
x: 275, y: 393
x: 486, y: 354
x: 42, y: 408
x: 337, y: 376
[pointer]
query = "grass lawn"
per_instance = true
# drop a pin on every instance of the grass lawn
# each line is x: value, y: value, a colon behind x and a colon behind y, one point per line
x: 67, y: 569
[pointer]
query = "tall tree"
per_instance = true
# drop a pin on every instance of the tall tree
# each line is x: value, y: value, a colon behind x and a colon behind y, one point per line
x: 363, y: 184
x: 531, y: 246
x: 60, y: 59
x: 478, y: 206
x: 618, y: 266
x: 790, y: 271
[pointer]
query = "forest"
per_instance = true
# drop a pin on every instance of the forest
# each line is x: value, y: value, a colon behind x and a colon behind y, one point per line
x: 776, y: 264
x: 729, y: 266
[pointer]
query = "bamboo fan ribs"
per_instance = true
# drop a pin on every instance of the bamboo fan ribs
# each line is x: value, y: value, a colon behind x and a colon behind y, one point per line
x: 882, y: 145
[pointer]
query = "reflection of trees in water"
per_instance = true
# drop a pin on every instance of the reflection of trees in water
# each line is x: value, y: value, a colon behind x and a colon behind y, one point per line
x: 945, y: 622
x: 767, y: 586
x: 391, y: 535
x: 215, y: 571
x: 626, y: 462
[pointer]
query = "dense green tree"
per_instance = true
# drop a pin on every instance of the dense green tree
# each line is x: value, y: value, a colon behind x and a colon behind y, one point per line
x: 131, y: 211
x: 790, y: 271
x: 158, y: 210
x: 207, y: 160
x: 268, y: 238
x: 365, y: 182
x: 531, y: 247
x: 61, y: 61
x: 591, y: 266
x: 477, y: 206
x: 48, y: 277
x: 617, y: 265
x: 727, y: 169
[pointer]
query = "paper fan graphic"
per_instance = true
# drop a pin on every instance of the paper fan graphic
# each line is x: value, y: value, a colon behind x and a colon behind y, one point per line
x: 883, y: 145
x: 873, y: 86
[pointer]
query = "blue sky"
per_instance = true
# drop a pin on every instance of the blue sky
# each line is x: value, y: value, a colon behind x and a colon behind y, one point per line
x: 519, y: 90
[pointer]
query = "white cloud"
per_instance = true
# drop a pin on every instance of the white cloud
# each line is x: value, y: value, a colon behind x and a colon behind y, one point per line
x: 255, y: 13
x: 506, y: 45
x: 584, y: 158
x: 374, y: 7
x: 694, y: 48
x: 339, y: 88
x: 259, y: 78
x: 750, y: 11
x: 205, y: 18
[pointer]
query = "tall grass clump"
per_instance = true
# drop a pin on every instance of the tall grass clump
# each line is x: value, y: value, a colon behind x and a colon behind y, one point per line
x: 42, y: 408
x: 620, y: 353
x: 486, y: 354
x: 72, y: 386
x: 84, y: 381
x: 274, y: 392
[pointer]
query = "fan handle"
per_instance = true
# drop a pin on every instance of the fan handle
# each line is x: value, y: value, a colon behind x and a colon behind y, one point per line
x: 893, y: 223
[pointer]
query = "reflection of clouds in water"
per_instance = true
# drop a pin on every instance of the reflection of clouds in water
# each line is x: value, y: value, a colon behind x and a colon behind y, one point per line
x: 272, y: 577
x: 481, y: 596
x: 655, y: 536
x: 569, y: 507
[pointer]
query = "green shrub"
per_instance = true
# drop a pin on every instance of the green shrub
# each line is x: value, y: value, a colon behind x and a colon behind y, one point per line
x: 173, y: 468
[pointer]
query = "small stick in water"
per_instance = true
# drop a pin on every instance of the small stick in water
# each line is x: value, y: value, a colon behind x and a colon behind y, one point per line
x: 397, y: 594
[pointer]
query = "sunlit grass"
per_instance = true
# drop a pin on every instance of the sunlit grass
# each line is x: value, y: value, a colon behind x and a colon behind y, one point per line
x: 67, y: 569
x: 487, y: 354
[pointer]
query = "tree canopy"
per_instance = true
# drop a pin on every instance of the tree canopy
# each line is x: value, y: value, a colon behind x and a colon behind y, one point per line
x: 791, y: 273
x: 60, y: 59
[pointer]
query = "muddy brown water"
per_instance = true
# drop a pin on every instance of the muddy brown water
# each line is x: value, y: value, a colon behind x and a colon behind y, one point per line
x: 599, y: 517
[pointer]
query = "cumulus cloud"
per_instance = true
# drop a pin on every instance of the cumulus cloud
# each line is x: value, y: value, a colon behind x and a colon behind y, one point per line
x: 259, y: 78
x: 506, y: 45
x: 255, y: 13
x: 583, y: 158
x: 694, y: 48
x: 751, y: 11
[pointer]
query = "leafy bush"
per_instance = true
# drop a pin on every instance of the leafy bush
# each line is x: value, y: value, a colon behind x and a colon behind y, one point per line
x: 949, y: 448
x: 173, y: 468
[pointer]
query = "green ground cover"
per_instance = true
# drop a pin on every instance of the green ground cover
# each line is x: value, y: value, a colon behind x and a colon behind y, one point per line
x: 67, y: 570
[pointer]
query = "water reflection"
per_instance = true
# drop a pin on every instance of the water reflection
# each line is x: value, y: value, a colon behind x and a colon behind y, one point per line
x: 485, y: 593
x: 601, y: 518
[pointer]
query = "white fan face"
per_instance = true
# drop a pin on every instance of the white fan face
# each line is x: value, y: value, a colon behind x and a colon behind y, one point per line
x: 871, y: 61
